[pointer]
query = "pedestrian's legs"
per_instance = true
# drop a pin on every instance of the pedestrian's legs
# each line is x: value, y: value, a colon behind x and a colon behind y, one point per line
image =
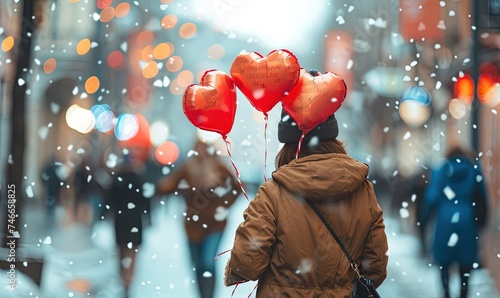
x: 445, y: 277
x: 202, y: 255
x: 127, y: 264
x: 464, y: 281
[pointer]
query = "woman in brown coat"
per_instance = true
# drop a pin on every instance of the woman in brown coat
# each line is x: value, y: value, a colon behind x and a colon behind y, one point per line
x: 209, y: 189
x: 285, y: 246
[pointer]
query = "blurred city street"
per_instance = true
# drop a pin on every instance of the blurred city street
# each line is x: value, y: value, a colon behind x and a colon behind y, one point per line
x: 96, y: 91
x: 163, y: 269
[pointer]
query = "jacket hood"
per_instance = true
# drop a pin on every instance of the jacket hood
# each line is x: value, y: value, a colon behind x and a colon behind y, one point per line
x: 459, y: 169
x: 322, y: 176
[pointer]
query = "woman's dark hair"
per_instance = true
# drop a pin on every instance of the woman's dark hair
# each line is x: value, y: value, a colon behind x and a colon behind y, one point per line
x: 287, y: 153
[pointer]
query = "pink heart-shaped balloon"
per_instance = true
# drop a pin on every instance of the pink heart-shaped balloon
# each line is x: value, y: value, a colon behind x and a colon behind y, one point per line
x: 265, y: 80
x: 314, y: 98
x: 212, y: 104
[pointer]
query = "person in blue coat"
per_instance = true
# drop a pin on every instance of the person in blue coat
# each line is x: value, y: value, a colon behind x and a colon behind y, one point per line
x: 456, y: 195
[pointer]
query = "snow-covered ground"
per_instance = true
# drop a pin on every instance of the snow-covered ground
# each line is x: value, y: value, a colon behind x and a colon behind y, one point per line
x: 73, y: 264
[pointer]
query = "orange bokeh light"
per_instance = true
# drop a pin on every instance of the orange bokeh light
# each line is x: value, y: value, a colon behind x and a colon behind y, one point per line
x: 107, y: 14
x: 174, y: 63
x: 83, y: 46
x: 167, y: 153
x: 8, y: 43
x: 49, y: 65
x: 216, y: 52
x: 187, y: 30
x: 169, y: 21
x: 144, y: 38
x: 185, y: 78
x: 150, y: 70
x: 122, y: 9
x: 176, y: 88
x: 92, y: 85
x: 101, y: 4
x: 161, y: 51
x: 464, y: 88
x: 483, y: 86
x: 147, y: 53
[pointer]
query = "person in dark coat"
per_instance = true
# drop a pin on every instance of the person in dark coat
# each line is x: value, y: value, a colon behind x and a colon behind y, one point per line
x: 130, y: 209
x: 285, y: 246
x: 456, y: 194
x: 209, y: 189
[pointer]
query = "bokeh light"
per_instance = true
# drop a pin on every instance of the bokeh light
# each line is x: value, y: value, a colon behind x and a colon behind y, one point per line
x: 101, y: 4
x: 176, y: 87
x: 147, y: 53
x: 115, y: 59
x: 418, y: 94
x: 457, y: 108
x: 122, y: 9
x: 104, y: 117
x: 83, y: 46
x: 159, y: 132
x: 464, y: 88
x: 174, y: 63
x: 169, y: 21
x: 144, y: 38
x: 7, y: 44
x: 92, y: 85
x: 414, y: 113
x: 49, y: 65
x: 107, y: 14
x: 216, y: 52
x: 161, y: 51
x: 484, y: 84
x: 126, y: 127
x: 187, y: 30
x: 150, y: 70
x: 185, y: 78
x: 167, y: 153
x: 80, y: 119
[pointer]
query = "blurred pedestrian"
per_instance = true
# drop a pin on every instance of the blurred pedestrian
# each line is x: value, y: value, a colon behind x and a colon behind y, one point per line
x: 456, y: 195
x: 209, y: 188
x: 285, y: 246
x: 130, y: 209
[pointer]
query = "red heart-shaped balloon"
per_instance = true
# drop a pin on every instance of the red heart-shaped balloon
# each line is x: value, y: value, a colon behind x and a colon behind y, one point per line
x: 265, y: 80
x: 314, y: 98
x: 212, y: 104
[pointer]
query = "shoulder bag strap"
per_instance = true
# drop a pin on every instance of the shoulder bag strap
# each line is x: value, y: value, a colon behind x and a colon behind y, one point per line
x: 354, y: 266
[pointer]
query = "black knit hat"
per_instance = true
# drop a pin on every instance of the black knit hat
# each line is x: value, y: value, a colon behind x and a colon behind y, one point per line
x: 289, y: 132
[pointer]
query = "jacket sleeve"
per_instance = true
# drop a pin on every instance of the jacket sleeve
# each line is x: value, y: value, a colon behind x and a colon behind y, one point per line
x: 375, y: 253
x: 254, y: 240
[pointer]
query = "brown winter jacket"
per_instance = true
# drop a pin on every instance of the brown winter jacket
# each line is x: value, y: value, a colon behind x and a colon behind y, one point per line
x: 285, y: 246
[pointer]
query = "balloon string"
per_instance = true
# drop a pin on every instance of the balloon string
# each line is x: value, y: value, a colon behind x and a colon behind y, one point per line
x: 265, y: 145
x: 298, y: 146
x: 253, y: 290
x: 234, y: 166
x: 220, y: 254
